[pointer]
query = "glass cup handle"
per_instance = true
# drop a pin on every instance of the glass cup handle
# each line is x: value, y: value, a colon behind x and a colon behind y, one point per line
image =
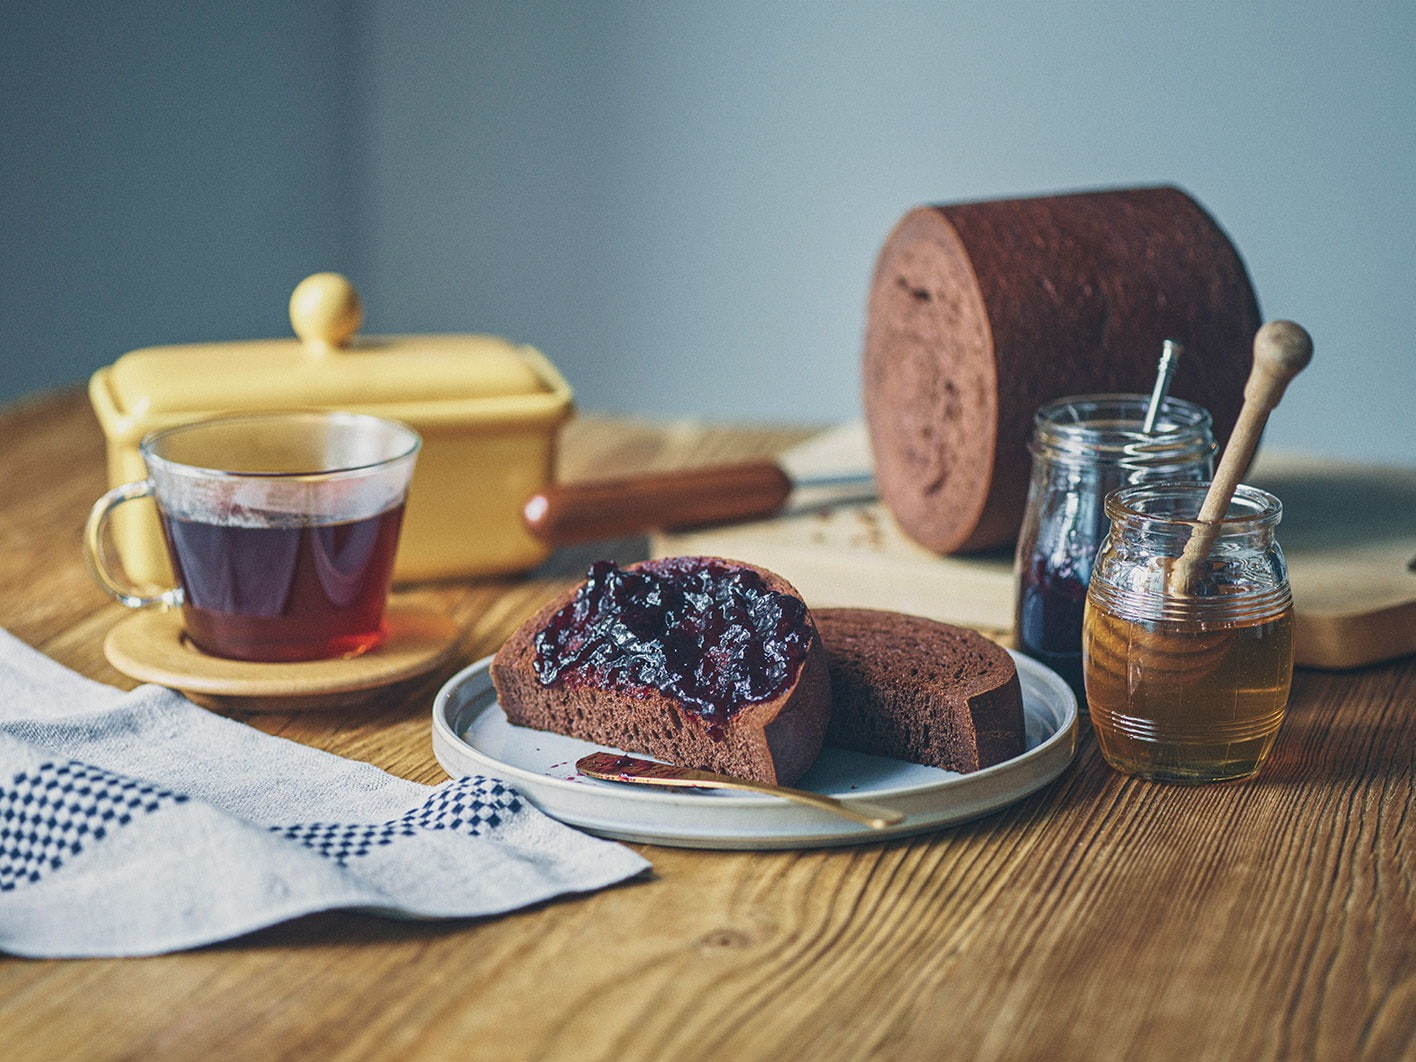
x: 119, y: 588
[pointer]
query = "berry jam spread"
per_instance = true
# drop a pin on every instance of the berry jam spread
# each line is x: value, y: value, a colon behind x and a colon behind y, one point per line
x: 710, y: 635
x: 1052, y: 596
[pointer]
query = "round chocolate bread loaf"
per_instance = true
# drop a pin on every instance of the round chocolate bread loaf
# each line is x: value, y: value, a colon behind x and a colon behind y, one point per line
x: 981, y: 312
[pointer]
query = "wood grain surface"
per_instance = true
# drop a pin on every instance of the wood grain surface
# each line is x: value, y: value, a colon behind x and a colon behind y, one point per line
x: 1101, y: 918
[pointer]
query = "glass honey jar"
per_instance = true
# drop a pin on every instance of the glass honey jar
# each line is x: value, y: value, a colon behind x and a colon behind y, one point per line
x: 1188, y: 684
x: 1083, y: 448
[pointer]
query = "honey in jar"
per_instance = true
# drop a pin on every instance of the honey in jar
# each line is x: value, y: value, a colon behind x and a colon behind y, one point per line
x: 1192, y: 686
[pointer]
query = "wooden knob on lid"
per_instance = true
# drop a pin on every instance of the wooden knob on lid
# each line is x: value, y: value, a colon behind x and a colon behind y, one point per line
x: 325, y: 311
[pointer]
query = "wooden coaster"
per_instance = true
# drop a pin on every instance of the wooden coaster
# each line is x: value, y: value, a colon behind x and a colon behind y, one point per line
x: 151, y: 646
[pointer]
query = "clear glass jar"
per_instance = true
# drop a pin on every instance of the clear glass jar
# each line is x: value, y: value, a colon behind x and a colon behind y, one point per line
x: 1188, y: 685
x: 1083, y: 448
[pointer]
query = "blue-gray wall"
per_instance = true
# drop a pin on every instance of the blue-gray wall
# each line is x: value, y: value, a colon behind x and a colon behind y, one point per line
x: 166, y: 171
x: 680, y: 202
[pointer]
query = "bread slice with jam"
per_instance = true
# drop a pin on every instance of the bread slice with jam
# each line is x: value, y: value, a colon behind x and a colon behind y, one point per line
x: 700, y: 661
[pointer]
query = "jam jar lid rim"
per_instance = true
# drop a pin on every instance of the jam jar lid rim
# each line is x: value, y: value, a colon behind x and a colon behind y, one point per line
x: 1268, y: 513
x: 1079, y: 441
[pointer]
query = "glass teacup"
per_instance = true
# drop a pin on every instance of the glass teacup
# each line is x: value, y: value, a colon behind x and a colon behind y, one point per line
x: 281, y: 529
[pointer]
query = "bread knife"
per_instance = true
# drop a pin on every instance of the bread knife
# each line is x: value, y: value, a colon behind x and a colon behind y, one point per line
x: 830, y: 468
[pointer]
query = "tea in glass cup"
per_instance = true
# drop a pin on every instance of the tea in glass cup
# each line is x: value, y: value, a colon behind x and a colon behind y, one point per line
x: 281, y: 529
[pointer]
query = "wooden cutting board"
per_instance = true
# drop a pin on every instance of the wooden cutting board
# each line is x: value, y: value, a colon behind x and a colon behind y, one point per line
x: 1348, y: 531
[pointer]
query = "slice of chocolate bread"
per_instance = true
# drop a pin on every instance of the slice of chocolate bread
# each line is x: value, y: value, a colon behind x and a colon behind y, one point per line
x: 918, y: 690
x: 700, y: 661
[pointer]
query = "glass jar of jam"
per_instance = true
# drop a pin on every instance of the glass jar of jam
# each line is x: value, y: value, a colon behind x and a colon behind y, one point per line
x: 1188, y: 684
x: 1083, y: 448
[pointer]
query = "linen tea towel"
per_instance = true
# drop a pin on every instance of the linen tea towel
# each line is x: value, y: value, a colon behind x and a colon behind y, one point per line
x: 138, y: 823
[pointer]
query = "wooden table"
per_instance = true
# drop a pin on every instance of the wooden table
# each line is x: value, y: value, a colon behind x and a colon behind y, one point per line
x: 1101, y: 918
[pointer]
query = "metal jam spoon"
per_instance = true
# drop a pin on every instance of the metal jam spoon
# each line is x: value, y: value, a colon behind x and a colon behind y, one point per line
x: 612, y: 767
x: 1170, y: 352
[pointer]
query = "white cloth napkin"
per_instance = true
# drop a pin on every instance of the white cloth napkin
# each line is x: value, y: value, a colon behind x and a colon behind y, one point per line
x: 138, y: 823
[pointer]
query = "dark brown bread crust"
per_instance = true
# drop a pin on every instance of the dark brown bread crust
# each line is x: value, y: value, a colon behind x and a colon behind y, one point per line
x: 981, y: 312
x: 918, y: 690
x: 773, y: 741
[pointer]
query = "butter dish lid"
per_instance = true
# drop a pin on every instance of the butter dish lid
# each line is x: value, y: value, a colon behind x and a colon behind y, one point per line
x: 329, y: 366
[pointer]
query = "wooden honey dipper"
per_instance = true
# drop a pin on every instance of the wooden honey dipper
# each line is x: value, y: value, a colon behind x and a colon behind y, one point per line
x: 1282, y: 350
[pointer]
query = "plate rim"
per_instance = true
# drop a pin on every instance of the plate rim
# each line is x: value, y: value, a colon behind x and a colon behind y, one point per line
x: 442, y: 728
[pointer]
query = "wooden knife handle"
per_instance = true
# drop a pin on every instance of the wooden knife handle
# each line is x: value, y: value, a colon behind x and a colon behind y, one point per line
x: 616, y: 508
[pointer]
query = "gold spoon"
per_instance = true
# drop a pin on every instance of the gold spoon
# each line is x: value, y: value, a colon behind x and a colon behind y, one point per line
x: 611, y: 767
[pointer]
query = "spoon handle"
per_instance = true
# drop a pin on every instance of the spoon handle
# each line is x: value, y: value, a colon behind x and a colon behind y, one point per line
x: 610, y: 767
x: 867, y: 814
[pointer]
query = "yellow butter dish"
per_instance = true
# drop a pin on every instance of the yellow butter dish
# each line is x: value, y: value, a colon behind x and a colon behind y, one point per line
x: 488, y: 410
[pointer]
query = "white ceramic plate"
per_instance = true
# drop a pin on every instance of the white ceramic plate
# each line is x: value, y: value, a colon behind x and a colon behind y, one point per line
x: 472, y: 736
